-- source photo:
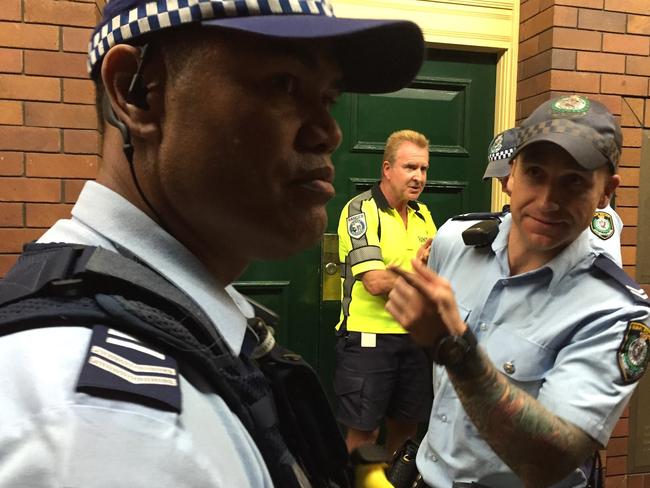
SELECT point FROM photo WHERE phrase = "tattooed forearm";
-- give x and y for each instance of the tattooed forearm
(537, 445)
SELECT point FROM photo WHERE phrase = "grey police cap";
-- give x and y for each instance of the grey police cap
(500, 152)
(582, 127)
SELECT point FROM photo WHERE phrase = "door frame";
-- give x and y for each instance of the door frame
(468, 25)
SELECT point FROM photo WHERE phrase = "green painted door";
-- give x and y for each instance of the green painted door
(452, 103)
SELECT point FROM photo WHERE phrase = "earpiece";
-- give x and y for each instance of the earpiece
(127, 147)
(137, 93)
(112, 119)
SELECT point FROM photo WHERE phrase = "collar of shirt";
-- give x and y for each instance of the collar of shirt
(104, 218)
(576, 255)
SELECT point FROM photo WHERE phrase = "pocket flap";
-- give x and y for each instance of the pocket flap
(517, 357)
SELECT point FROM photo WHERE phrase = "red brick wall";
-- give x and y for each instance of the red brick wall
(49, 142)
(600, 48)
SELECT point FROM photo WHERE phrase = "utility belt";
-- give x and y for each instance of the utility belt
(274, 392)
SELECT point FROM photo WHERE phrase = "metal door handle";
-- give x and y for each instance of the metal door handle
(331, 268)
(331, 284)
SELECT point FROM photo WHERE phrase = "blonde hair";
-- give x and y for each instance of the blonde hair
(397, 138)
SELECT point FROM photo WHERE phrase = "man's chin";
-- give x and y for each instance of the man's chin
(299, 235)
(547, 243)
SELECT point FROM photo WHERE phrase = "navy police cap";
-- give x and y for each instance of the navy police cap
(582, 127)
(376, 56)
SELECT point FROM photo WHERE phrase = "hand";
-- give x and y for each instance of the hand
(422, 254)
(424, 304)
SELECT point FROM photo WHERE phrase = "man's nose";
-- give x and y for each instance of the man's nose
(550, 196)
(320, 134)
(419, 177)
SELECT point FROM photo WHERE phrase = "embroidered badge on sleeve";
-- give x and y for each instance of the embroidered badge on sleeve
(602, 225)
(633, 355)
(357, 225)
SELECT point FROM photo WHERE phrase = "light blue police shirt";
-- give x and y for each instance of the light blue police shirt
(53, 436)
(554, 332)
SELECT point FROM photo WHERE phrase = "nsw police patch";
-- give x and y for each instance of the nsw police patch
(357, 225)
(633, 355)
(602, 225)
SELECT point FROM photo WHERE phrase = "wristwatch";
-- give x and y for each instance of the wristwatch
(452, 350)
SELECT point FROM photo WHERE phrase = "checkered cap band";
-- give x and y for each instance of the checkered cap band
(606, 145)
(503, 154)
(161, 14)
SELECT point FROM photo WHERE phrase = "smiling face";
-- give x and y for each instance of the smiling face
(404, 178)
(243, 167)
(553, 198)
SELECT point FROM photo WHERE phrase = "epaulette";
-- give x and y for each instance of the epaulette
(611, 269)
(117, 365)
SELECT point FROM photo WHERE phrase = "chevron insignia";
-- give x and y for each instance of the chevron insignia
(639, 292)
(119, 366)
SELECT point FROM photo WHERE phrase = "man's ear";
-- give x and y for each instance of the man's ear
(385, 166)
(119, 67)
(611, 184)
(504, 185)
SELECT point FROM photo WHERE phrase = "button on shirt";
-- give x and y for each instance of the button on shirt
(53, 436)
(554, 332)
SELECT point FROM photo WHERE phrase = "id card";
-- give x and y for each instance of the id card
(368, 340)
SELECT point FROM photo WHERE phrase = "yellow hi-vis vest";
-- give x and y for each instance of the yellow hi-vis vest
(372, 236)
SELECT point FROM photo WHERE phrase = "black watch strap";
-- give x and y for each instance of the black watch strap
(452, 350)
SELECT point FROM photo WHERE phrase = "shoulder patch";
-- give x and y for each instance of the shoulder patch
(610, 268)
(633, 354)
(119, 366)
(357, 225)
(602, 225)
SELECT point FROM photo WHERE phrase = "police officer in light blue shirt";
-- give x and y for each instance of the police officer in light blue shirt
(216, 151)
(539, 339)
(606, 225)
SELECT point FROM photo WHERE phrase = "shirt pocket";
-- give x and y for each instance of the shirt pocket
(522, 361)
